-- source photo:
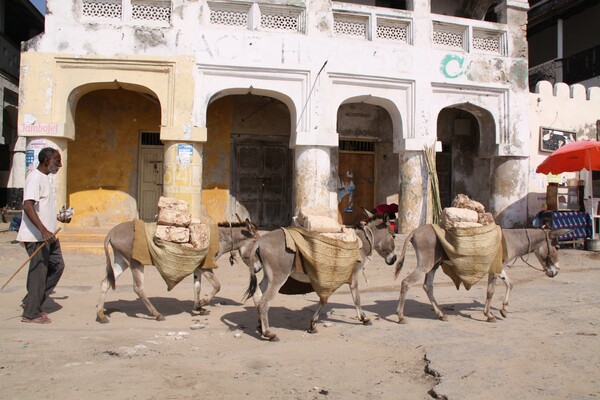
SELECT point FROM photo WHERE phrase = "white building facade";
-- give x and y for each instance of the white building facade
(266, 109)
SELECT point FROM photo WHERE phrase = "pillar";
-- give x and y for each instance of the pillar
(508, 197)
(412, 205)
(311, 181)
(183, 173)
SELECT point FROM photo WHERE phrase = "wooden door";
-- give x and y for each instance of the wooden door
(357, 186)
(261, 182)
(150, 182)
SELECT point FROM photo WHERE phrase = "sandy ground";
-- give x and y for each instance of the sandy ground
(547, 348)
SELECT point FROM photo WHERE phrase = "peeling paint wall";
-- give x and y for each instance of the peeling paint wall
(216, 160)
(188, 61)
(102, 177)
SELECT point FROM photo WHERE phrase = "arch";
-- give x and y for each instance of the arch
(286, 100)
(77, 93)
(396, 96)
(214, 83)
(247, 161)
(466, 133)
(108, 179)
(365, 165)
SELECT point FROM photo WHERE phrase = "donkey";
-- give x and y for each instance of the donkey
(232, 236)
(270, 253)
(430, 256)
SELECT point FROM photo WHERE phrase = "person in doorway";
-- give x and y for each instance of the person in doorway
(37, 227)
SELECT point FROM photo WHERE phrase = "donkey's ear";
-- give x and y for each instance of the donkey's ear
(367, 213)
(250, 226)
(386, 218)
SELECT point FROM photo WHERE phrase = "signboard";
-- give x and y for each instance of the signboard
(553, 139)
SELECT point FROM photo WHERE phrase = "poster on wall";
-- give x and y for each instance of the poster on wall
(553, 139)
(184, 154)
(32, 152)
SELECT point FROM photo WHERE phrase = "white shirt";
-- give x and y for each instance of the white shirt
(38, 188)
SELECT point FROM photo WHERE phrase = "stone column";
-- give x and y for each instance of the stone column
(508, 197)
(183, 173)
(35, 144)
(311, 180)
(412, 202)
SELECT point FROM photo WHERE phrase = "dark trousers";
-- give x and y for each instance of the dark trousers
(45, 270)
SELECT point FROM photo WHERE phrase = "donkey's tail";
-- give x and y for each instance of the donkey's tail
(110, 273)
(400, 262)
(255, 265)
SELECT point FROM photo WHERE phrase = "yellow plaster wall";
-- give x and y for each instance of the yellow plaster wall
(216, 160)
(103, 160)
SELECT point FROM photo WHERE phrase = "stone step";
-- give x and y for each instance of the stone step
(82, 248)
(83, 240)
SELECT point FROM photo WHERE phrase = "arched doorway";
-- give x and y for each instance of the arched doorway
(463, 166)
(367, 168)
(247, 163)
(115, 162)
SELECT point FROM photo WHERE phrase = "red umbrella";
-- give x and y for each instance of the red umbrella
(573, 157)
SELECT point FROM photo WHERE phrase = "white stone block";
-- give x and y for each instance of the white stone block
(171, 203)
(174, 218)
(451, 215)
(199, 235)
(172, 234)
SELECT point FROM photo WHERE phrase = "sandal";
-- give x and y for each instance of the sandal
(42, 319)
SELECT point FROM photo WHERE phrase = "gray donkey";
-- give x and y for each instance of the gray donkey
(271, 255)
(430, 255)
(232, 236)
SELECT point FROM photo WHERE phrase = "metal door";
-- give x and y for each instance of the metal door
(150, 181)
(261, 182)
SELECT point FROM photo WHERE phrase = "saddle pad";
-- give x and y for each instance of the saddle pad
(173, 261)
(140, 252)
(473, 252)
(328, 262)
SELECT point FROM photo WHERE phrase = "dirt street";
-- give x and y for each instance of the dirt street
(547, 348)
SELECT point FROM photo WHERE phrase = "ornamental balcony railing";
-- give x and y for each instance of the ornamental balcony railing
(350, 21)
(142, 12)
(452, 33)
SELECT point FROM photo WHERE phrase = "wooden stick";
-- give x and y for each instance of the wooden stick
(26, 261)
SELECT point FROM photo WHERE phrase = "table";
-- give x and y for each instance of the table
(579, 221)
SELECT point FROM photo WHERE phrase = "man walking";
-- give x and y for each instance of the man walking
(37, 227)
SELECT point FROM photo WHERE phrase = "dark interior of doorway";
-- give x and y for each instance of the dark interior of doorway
(443, 163)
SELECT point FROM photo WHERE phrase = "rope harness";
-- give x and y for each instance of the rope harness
(370, 236)
(529, 250)
(231, 252)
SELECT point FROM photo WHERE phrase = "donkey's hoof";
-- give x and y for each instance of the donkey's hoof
(402, 320)
(271, 336)
(491, 318)
(160, 317)
(504, 313)
(102, 319)
(312, 330)
(443, 318)
(367, 321)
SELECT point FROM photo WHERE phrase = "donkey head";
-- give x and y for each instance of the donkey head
(547, 251)
(383, 235)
